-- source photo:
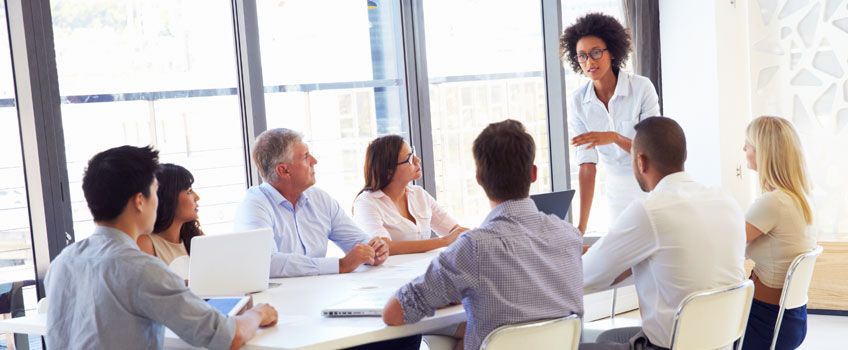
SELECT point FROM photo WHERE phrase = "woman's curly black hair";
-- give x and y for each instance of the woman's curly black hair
(605, 27)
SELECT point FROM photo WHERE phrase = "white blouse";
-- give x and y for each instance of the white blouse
(377, 215)
(634, 99)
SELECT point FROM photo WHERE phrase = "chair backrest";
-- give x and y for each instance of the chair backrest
(180, 266)
(795, 286)
(798, 278)
(558, 333)
(42, 306)
(713, 318)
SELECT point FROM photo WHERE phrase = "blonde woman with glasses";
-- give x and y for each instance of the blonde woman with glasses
(778, 227)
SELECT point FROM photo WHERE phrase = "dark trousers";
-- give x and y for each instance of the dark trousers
(408, 343)
(761, 322)
(627, 338)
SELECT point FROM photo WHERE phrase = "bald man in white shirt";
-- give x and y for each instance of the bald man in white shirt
(683, 238)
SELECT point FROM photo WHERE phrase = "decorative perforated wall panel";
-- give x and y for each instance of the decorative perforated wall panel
(799, 71)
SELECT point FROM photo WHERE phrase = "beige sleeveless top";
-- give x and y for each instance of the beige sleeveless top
(785, 236)
(165, 250)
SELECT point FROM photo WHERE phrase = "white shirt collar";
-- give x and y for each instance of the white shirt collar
(381, 194)
(672, 180)
(622, 88)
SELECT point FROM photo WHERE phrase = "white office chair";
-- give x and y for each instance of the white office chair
(713, 318)
(559, 333)
(795, 286)
(180, 266)
(42, 306)
(438, 342)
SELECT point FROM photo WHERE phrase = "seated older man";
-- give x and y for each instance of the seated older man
(302, 216)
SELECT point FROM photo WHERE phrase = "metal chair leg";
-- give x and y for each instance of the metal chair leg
(612, 310)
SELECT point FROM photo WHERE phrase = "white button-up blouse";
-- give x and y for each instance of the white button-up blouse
(377, 215)
(634, 99)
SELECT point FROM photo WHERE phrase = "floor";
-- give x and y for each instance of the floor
(826, 332)
(823, 332)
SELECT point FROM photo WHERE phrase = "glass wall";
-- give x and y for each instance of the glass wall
(155, 72)
(163, 73)
(334, 71)
(17, 269)
(485, 63)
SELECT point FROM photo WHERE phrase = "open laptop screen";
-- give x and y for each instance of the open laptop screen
(556, 203)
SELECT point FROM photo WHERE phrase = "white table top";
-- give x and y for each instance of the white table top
(35, 324)
(299, 302)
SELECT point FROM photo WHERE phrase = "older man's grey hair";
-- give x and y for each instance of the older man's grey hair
(272, 147)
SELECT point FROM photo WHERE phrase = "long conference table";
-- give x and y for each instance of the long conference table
(299, 302)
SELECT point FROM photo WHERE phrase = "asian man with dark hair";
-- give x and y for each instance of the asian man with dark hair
(105, 293)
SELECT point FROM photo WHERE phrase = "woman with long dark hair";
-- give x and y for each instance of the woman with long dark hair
(176, 217)
(389, 206)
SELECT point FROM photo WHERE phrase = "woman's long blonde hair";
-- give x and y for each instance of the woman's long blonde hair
(780, 160)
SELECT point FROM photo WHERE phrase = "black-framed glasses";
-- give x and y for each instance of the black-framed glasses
(408, 159)
(596, 54)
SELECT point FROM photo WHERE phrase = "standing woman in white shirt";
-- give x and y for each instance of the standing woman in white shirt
(389, 206)
(778, 227)
(602, 113)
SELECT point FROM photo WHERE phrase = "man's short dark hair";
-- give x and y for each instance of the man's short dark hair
(504, 154)
(604, 27)
(662, 140)
(113, 176)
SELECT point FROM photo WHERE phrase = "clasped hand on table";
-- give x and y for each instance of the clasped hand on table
(374, 253)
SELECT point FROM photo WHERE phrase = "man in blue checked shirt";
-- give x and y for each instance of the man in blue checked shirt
(519, 265)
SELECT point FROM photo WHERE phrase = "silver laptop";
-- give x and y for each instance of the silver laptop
(361, 304)
(230, 264)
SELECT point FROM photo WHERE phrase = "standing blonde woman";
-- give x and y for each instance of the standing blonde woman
(778, 227)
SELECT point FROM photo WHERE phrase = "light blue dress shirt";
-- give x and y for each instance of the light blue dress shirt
(520, 265)
(105, 293)
(301, 234)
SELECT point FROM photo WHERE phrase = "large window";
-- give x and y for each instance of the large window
(166, 73)
(154, 72)
(333, 70)
(16, 259)
(485, 62)
(599, 219)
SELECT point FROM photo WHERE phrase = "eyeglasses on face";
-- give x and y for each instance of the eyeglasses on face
(596, 54)
(409, 158)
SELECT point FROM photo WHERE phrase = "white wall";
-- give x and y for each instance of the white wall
(706, 87)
